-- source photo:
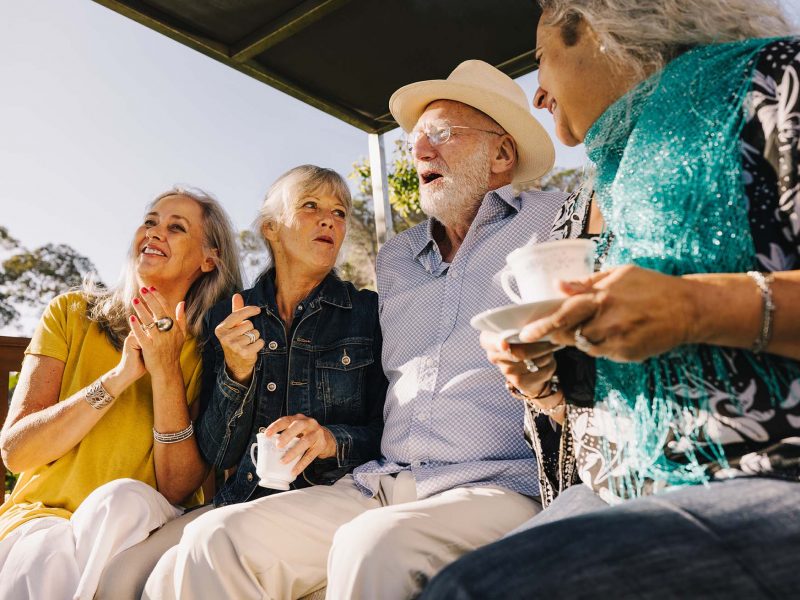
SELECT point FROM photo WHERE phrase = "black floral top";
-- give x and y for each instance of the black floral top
(761, 437)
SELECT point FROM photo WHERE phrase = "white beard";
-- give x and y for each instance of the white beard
(459, 192)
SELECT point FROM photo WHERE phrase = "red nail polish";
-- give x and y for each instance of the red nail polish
(136, 301)
(144, 290)
(152, 289)
(133, 319)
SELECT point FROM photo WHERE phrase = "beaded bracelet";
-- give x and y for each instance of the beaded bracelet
(552, 389)
(764, 283)
(173, 438)
(97, 396)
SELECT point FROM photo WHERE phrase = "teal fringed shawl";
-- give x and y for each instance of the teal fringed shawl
(669, 185)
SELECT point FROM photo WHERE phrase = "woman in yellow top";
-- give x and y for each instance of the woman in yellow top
(107, 374)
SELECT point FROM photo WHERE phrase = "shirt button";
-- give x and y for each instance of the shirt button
(345, 360)
(273, 345)
(249, 476)
(300, 308)
(271, 386)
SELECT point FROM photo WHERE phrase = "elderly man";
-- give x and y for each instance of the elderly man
(455, 472)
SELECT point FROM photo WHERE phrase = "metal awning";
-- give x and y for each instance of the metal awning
(346, 57)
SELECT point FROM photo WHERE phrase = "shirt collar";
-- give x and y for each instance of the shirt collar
(496, 203)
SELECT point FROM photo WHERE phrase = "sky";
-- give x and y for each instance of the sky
(98, 115)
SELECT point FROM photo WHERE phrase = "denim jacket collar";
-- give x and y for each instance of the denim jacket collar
(331, 291)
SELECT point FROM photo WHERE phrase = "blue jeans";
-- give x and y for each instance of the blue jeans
(732, 539)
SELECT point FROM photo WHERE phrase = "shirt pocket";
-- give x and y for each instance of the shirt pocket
(340, 377)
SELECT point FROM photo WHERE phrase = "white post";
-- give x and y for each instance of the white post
(380, 189)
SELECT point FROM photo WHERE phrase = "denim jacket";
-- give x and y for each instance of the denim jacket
(329, 369)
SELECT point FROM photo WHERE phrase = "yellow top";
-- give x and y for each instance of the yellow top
(119, 445)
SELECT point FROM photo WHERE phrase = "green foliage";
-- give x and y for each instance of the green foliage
(34, 277)
(361, 248)
(562, 180)
(403, 187)
(11, 480)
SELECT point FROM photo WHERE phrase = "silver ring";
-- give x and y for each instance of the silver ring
(531, 366)
(250, 336)
(164, 324)
(582, 343)
(149, 326)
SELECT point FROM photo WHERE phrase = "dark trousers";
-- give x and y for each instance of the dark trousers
(732, 539)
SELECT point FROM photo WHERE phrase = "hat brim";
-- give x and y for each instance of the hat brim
(535, 151)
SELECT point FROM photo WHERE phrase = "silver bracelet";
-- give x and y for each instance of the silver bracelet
(764, 283)
(173, 438)
(97, 396)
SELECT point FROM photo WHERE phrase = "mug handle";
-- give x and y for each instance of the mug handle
(253, 449)
(505, 282)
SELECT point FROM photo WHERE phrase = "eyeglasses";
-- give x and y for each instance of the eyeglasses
(439, 134)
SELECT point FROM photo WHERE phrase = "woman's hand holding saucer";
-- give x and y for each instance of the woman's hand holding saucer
(240, 340)
(528, 368)
(627, 314)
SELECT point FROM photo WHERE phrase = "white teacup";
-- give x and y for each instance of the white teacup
(537, 268)
(272, 472)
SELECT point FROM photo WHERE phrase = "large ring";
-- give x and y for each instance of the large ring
(250, 336)
(164, 324)
(531, 366)
(582, 343)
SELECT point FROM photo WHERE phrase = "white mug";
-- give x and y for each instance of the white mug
(271, 471)
(537, 268)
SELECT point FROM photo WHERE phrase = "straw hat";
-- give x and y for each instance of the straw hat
(492, 92)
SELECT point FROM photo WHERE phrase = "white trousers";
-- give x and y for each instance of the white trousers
(285, 546)
(51, 558)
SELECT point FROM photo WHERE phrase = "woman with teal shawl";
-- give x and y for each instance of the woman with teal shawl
(689, 452)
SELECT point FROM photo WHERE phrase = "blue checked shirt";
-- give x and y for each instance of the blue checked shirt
(449, 418)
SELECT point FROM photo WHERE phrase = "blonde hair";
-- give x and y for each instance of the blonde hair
(645, 35)
(110, 308)
(299, 182)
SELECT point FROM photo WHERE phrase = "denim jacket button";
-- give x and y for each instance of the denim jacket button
(271, 386)
(250, 476)
(345, 360)
(273, 345)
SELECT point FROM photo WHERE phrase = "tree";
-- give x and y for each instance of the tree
(32, 278)
(403, 187)
(561, 180)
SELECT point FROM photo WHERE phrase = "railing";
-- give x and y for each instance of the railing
(12, 350)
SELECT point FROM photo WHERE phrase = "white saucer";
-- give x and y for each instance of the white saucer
(510, 319)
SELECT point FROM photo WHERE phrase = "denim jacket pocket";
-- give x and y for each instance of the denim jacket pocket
(340, 375)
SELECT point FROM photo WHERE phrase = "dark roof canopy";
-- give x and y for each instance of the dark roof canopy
(346, 57)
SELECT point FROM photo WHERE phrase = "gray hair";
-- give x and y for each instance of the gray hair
(299, 182)
(646, 34)
(110, 308)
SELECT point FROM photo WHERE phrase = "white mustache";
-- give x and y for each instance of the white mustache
(432, 166)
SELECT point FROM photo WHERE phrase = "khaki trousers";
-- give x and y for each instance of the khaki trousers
(281, 547)
(125, 575)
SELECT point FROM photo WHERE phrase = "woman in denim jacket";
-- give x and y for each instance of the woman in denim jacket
(299, 352)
